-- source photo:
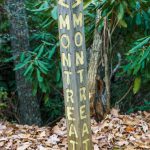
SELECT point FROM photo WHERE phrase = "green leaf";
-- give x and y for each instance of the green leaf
(40, 51)
(19, 66)
(51, 53)
(46, 23)
(47, 43)
(136, 85)
(46, 98)
(138, 19)
(146, 53)
(139, 45)
(22, 57)
(29, 69)
(123, 23)
(136, 69)
(43, 7)
(10, 59)
(43, 87)
(35, 87)
(42, 67)
(120, 11)
(58, 75)
(54, 13)
(86, 3)
(40, 78)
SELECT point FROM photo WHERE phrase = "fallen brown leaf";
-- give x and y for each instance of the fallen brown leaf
(115, 132)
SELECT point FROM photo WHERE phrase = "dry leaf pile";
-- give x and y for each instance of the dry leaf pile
(115, 132)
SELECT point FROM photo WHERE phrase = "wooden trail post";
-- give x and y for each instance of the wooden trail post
(74, 71)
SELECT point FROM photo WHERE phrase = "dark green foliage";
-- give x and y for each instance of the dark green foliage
(42, 63)
(119, 11)
(129, 20)
(43, 60)
(53, 108)
(144, 107)
(139, 57)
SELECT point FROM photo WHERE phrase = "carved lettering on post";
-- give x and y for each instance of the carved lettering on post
(74, 71)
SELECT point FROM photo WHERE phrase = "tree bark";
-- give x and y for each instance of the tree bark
(106, 63)
(98, 72)
(94, 81)
(29, 109)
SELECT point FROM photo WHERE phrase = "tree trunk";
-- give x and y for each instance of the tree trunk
(98, 72)
(94, 82)
(29, 109)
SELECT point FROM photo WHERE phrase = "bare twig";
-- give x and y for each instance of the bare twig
(107, 77)
(117, 66)
(123, 97)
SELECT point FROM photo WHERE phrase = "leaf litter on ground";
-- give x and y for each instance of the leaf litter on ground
(115, 132)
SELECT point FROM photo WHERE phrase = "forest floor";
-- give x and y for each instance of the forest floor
(115, 132)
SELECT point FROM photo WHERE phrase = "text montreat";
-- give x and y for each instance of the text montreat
(73, 56)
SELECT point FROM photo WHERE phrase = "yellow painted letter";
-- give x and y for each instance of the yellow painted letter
(80, 75)
(79, 58)
(86, 144)
(82, 94)
(85, 129)
(67, 73)
(77, 20)
(82, 112)
(69, 95)
(78, 39)
(65, 41)
(64, 22)
(61, 2)
(73, 144)
(78, 2)
(69, 113)
(72, 131)
(66, 60)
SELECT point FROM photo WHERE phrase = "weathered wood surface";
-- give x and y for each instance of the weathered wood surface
(74, 71)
